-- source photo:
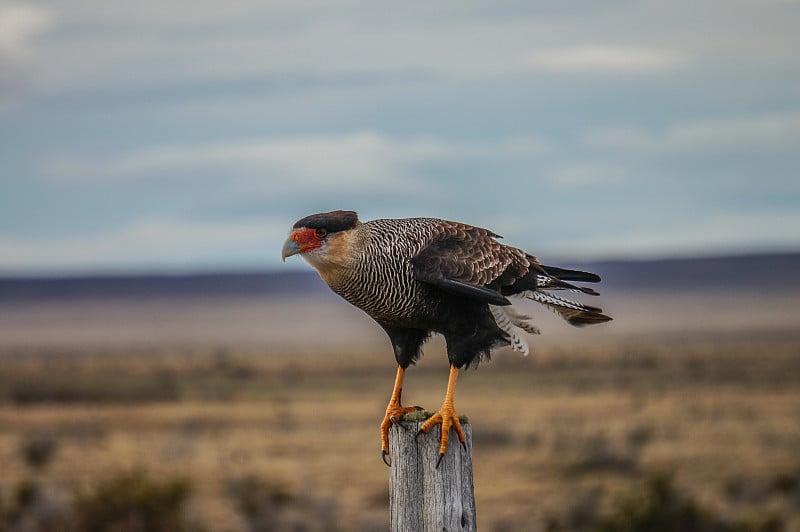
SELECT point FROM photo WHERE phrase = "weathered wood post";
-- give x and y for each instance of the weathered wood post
(422, 497)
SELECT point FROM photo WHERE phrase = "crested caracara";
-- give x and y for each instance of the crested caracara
(419, 276)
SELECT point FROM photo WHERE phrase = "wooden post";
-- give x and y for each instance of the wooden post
(422, 497)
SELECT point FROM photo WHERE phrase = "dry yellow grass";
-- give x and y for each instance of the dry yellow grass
(719, 412)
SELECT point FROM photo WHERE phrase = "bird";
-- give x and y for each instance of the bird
(421, 276)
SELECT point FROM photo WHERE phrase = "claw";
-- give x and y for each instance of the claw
(446, 417)
(394, 413)
(386, 459)
(439, 461)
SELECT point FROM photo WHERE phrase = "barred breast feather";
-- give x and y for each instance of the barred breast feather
(381, 281)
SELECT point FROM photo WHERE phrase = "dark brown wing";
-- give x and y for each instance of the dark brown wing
(468, 261)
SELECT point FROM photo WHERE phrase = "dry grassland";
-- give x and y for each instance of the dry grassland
(254, 414)
(560, 437)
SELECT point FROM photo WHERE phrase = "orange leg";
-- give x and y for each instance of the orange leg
(394, 413)
(446, 416)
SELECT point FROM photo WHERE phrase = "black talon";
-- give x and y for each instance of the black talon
(384, 456)
(417, 435)
(439, 461)
(464, 445)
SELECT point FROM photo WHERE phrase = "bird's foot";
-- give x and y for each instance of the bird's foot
(446, 417)
(394, 416)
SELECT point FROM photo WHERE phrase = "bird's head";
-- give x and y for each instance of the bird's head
(320, 238)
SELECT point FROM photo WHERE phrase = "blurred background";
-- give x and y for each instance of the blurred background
(161, 369)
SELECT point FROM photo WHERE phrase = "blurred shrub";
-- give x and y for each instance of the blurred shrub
(253, 496)
(25, 494)
(581, 512)
(96, 389)
(657, 508)
(597, 454)
(744, 490)
(38, 450)
(787, 484)
(492, 437)
(660, 507)
(639, 436)
(134, 502)
(32, 510)
(269, 507)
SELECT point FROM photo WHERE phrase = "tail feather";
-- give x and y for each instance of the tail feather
(541, 277)
(533, 284)
(507, 323)
(521, 320)
(509, 320)
(546, 282)
(576, 314)
(571, 275)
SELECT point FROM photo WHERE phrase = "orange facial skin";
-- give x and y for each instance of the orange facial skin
(306, 238)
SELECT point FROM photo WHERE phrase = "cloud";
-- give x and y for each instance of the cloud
(160, 242)
(355, 159)
(152, 45)
(580, 174)
(701, 234)
(146, 243)
(161, 44)
(151, 115)
(19, 25)
(158, 44)
(768, 130)
(598, 58)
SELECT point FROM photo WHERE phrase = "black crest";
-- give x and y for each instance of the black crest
(330, 221)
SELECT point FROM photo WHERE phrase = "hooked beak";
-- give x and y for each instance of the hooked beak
(290, 247)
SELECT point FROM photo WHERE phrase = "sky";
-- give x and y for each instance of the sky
(191, 135)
